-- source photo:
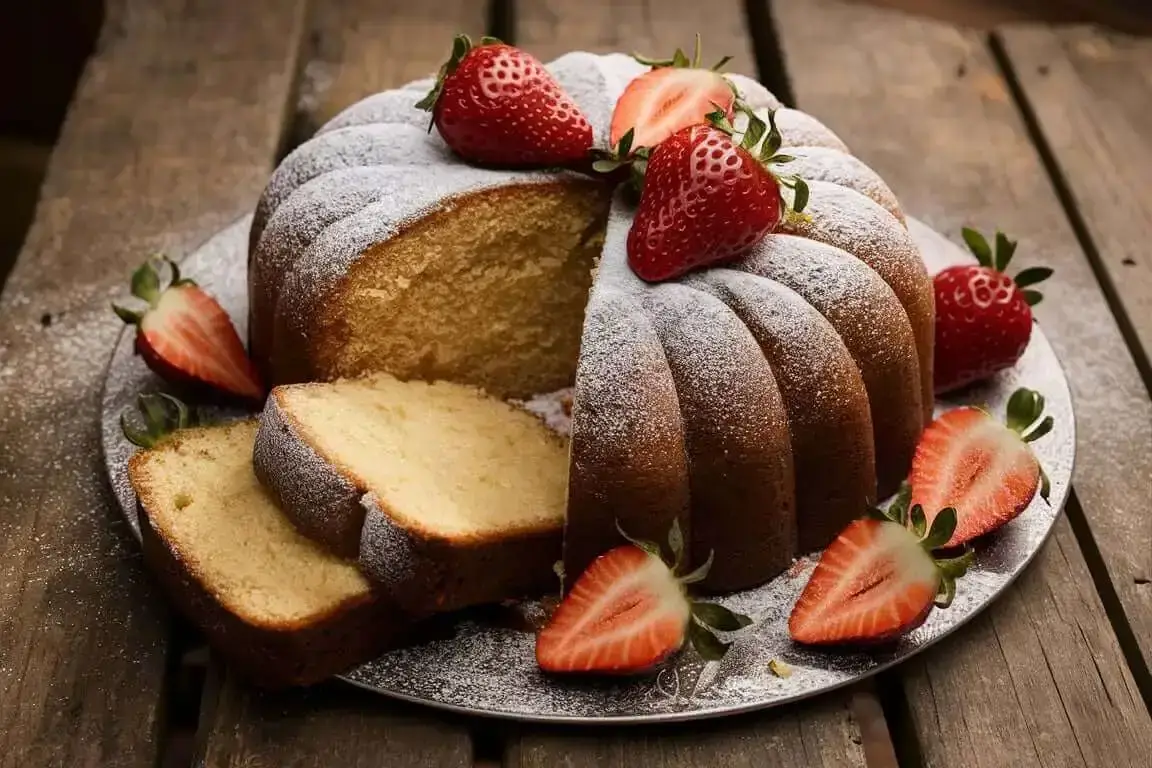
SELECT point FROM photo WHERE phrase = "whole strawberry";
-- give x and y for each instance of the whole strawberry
(706, 199)
(983, 316)
(497, 105)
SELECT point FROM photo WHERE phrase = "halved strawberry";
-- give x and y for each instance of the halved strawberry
(877, 581)
(676, 93)
(186, 337)
(629, 611)
(971, 461)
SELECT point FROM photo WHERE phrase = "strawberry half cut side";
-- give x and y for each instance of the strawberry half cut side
(629, 612)
(985, 469)
(877, 581)
(674, 94)
(186, 337)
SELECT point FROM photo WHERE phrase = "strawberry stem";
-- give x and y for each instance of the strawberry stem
(680, 59)
(161, 414)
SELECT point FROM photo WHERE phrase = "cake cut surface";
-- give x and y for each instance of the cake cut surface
(441, 457)
(202, 498)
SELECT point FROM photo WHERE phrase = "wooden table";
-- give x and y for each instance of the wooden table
(179, 118)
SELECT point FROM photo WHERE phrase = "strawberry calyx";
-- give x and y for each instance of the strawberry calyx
(161, 414)
(932, 537)
(766, 136)
(145, 285)
(680, 60)
(1025, 409)
(461, 46)
(997, 259)
(705, 618)
(623, 158)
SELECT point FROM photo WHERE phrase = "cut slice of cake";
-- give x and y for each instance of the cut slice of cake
(448, 497)
(280, 608)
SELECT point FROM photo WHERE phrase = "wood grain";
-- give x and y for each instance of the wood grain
(170, 135)
(549, 28)
(819, 733)
(1091, 95)
(359, 47)
(328, 725)
(924, 104)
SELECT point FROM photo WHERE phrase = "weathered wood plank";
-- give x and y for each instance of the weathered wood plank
(359, 47)
(822, 734)
(1091, 95)
(328, 725)
(170, 134)
(549, 28)
(924, 104)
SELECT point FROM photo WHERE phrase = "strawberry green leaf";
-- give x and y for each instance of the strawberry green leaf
(680, 59)
(710, 647)
(919, 521)
(897, 511)
(943, 526)
(161, 415)
(489, 40)
(955, 567)
(800, 199)
(780, 159)
(1041, 429)
(755, 131)
(700, 573)
(146, 283)
(716, 616)
(946, 593)
(1033, 275)
(127, 315)
(1005, 248)
(1045, 485)
(720, 64)
(624, 146)
(650, 547)
(719, 119)
(1032, 297)
(978, 245)
(696, 52)
(1024, 407)
(606, 166)
(774, 140)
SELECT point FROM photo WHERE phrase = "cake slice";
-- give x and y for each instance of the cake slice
(448, 497)
(279, 608)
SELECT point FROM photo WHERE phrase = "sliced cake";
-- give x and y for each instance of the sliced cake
(448, 497)
(280, 608)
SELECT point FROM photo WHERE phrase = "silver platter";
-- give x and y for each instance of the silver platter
(481, 665)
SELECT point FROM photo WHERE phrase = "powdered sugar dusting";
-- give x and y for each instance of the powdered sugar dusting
(832, 165)
(395, 106)
(850, 221)
(364, 145)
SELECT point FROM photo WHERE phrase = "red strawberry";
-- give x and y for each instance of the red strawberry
(675, 94)
(968, 460)
(498, 105)
(628, 612)
(706, 199)
(983, 316)
(185, 336)
(877, 581)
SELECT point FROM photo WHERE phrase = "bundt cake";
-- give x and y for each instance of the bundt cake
(761, 404)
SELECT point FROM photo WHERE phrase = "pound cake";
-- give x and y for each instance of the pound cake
(761, 404)
(281, 608)
(448, 497)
